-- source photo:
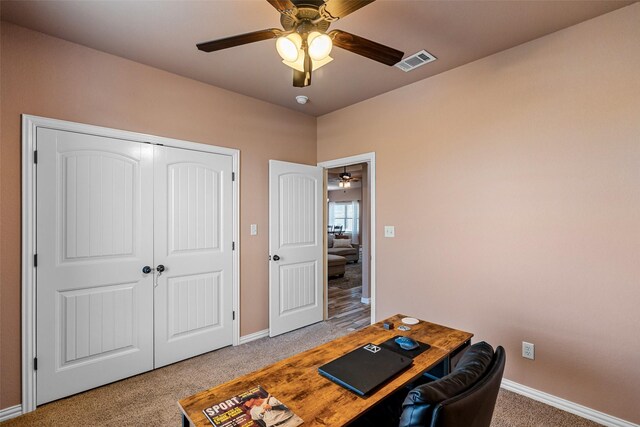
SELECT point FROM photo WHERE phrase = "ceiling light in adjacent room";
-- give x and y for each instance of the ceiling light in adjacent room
(345, 179)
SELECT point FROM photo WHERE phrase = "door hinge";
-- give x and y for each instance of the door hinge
(35, 363)
(35, 156)
(233, 246)
(233, 176)
(35, 260)
(234, 315)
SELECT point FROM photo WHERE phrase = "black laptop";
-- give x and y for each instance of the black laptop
(365, 368)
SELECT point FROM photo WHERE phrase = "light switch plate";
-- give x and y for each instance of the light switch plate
(254, 229)
(389, 231)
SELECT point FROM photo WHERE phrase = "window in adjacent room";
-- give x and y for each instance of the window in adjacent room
(345, 214)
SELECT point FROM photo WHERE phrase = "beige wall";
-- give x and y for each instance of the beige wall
(524, 216)
(49, 77)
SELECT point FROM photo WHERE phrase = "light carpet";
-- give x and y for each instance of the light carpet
(150, 399)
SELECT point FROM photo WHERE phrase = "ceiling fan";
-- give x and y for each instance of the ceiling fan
(304, 43)
(343, 178)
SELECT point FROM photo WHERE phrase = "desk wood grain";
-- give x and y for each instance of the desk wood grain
(295, 381)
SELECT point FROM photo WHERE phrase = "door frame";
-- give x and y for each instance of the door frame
(28, 325)
(370, 159)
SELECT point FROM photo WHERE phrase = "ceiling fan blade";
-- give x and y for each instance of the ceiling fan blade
(333, 10)
(285, 7)
(367, 48)
(238, 40)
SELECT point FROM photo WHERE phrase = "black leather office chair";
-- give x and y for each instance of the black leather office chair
(464, 398)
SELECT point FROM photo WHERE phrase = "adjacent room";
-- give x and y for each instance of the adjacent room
(319, 213)
(348, 214)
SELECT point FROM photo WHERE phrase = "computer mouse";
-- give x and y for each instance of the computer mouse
(406, 343)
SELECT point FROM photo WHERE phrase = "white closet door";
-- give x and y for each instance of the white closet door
(295, 246)
(94, 222)
(193, 242)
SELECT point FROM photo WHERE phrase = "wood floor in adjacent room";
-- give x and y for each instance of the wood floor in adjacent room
(346, 310)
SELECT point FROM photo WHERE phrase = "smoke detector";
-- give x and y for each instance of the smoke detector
(301, 99)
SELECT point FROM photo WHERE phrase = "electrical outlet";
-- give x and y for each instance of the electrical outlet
(528, 350)
(254, 229)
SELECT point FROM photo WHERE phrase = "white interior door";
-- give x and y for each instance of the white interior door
(296, 264)
(94, 222)
(193, 242)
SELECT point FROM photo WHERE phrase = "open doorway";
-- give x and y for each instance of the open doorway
(349, 301)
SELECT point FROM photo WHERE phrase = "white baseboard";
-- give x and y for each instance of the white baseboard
(565, 405)
(254, 336)
(365, 300)
(12, 412)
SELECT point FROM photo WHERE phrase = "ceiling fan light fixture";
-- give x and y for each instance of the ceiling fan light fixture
(298, 64)
(289, 47)
(319, 45)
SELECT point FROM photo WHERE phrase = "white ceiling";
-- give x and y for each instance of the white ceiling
(163, 34)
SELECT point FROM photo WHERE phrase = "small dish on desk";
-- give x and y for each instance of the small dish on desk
(410, 321)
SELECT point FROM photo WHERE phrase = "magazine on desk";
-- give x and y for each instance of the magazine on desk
(255, 407)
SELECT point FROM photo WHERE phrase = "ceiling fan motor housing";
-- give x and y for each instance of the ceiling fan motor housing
(306, 17)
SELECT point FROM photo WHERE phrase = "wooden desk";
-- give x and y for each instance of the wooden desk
(319, 402)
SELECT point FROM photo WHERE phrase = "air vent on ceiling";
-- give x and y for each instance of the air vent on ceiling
(416, 60)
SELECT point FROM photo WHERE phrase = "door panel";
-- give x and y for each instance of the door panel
(193, 206)
(193, 223)
(295, 236)
(97, 321)
(195, 303)
(98, 208)
(297, 287)
(95, 306)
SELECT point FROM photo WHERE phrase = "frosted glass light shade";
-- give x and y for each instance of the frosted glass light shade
(289, 47)
(298, 64)
(319, 45)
